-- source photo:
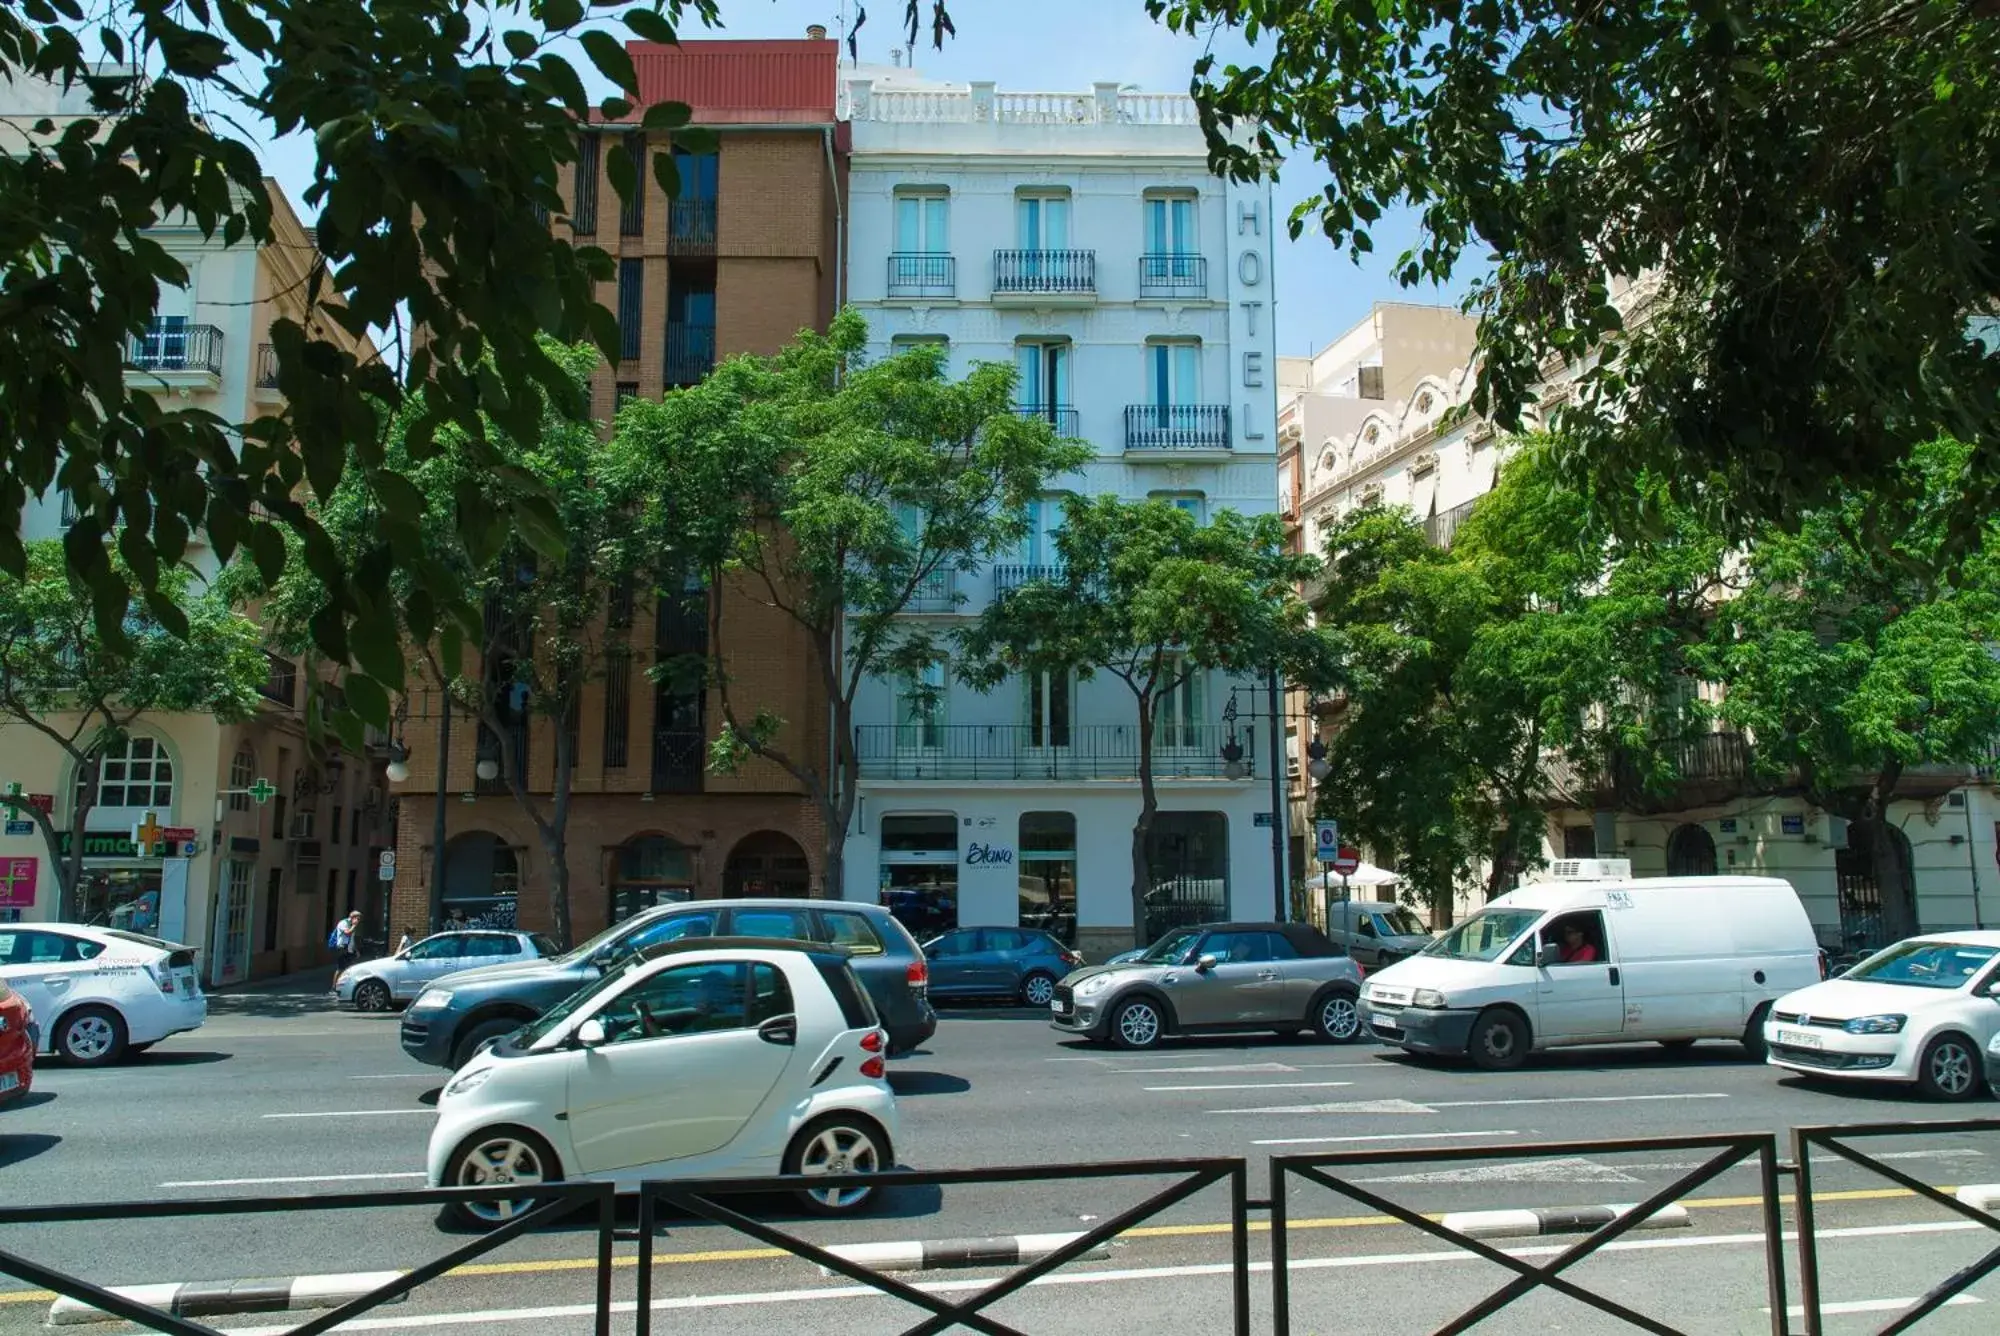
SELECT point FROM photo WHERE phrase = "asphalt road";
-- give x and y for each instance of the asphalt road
(279, 1095)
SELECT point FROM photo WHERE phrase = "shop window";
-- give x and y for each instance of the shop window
(1187, 860)
(482, 879)
(1048, 873)
(919, 872)
(650, 870)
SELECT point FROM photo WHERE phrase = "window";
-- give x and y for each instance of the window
(1173, 373)
(274, 887)
(791, 924)
(920, 710)
(353, 877)
(699, 174)
(491, 944)
(45, 948)
(333, 826)
(922, 223)
(1247, 948)
(1042, 221)
(1048, 874)
(135, 773)
(953, 944)
(673, 928)
(1194, 503)
(1049, 700)
(851, 930)
(624, 390)
(631, 306)
(632, 217)
(617, 702)
(1578, 938)
(689, 999)
(1170, 231)
(1045, 522)
(1187, 871)
(1177, 711)
(902, 343)
(242, 773)
(770, 995)
(583, 212)
(444, 946)
(354, 828)
(1043, 375)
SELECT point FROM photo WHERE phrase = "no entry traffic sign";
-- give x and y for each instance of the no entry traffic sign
(1346, 860)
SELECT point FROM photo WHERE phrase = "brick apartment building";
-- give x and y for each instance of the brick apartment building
(746, 256)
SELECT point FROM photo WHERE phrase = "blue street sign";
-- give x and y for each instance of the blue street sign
(1326, 840)
(20, 827)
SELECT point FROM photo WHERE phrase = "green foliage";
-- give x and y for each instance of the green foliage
(1488, 680)
(1814, 185)
(60, 678)
(440, 137)
(1852, 663)
(1150, 596)
(833, 490)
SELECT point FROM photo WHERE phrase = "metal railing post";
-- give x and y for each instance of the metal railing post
(607, 1231)
(642, 1315)
(1239, 1243)
(1802, 1213)
(1768, 1174)
(1281, 1254)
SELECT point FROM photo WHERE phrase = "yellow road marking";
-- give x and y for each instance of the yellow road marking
(543, 1266)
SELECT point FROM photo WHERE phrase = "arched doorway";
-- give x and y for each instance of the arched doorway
(482, 881)
(767, 863)
(1690, 852)
(649, 870)
(1861, 926)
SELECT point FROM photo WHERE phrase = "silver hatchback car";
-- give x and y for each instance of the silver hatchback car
(378, 985)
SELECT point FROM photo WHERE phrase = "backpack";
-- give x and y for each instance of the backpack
(333, 939)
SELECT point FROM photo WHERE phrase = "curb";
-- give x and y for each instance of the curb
(1556, 1220)
(1981, 1196)
(1006, 1250)
(222, 1298)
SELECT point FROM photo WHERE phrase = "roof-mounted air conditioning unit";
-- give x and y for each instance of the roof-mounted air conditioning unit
(1590, 869)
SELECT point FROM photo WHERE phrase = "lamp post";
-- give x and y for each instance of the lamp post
(1234, 767)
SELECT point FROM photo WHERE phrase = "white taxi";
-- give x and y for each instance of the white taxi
(1918, 1012)
(99, 994)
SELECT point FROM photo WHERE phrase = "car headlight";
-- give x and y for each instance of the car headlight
(432, 999)
(469, 1082)
(1875, 1025)
(1095, 984)
(1428, 999)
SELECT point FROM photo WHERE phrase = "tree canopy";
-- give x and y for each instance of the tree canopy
(836, 492)
(1148, 595)
(63, 680)
(440, 131)
(1809, 191)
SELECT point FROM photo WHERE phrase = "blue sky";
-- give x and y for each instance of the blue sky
(1069, 44)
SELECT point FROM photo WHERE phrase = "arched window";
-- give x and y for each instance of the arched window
(1690, 852)
(242, 772)
(650, 870)
(135, 773)
(770, 863)
(482, 881)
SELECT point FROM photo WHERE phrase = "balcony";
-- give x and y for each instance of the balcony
(1173, 277)
(922, 274)
(919, 751)
(691, 227)
(1177, 429)
(178, 353)
(1045, 277)
(690, 352)
(1059, 416)
(281, 679)
(1442, 527)
(1706, 769)
(680, 759)
(937, 592)
(1006, 579)
(266, 383)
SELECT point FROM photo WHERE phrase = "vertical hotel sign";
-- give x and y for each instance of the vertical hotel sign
(1252, 338)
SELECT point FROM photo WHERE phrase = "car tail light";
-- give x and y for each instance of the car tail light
(1073, 959)
(872, 1041)
(872, 1069)
(161, 977)
(918, 974)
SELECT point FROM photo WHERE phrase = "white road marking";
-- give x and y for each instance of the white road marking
(1875, 1306)
(1385, 1136)
(430, 1075)
(1265, 1085)
(1410, 1106)
(1567, 1169)
(1237, 1068)
(695, 1301)
(358, 1113)
(298, 1178)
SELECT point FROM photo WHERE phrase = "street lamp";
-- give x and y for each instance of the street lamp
(1316, 763)
(1232, 758)
(398, 769)
(488, 769)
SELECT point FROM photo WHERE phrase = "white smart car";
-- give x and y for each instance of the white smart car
(707, 1058)
(1920, 1011)
(101, 993)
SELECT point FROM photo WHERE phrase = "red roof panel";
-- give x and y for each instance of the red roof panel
(776, 81)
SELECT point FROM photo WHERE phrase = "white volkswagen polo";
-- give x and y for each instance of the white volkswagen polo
(101, 993)
(1920, 1011)
(707, 1058)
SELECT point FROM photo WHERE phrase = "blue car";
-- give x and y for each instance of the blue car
(1016, 963)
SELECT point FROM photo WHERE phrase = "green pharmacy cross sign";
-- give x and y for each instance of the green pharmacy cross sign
(261, 792)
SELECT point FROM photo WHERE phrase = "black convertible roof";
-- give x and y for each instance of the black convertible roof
(1304, 937)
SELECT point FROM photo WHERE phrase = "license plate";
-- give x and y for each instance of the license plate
(1382, 1023)
(1059, 1007)
(8, 1081)
(1800, 1039)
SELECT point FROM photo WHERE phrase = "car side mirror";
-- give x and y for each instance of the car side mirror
(1204, 965)
(1549, 955)
(590, 1034)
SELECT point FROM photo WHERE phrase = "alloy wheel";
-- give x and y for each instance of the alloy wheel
(1951, 1069)
(1138, 1025)
(371, 995)
(496, 1163)
(1339, 1017)
(88, 1038)
(840, 1149)
(1039, 991)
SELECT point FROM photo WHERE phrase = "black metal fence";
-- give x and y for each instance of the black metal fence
(1045, 272)
(1177, 427)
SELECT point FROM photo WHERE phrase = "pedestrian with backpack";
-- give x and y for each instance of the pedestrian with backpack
(342, 939)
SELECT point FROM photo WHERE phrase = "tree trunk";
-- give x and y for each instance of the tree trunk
(555, 833)
(1892, 880)
(837, 795)
(1142, 829)
(437, 817)
(69, 873)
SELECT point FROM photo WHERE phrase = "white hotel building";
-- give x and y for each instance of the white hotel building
(1081, 237)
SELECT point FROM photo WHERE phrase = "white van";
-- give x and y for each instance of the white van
(1593, 956)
